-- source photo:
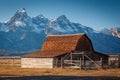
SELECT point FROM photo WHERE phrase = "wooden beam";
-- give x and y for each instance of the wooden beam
(101, 61)
(56, 62)
(71, 58)
(83, 61)
(119, 61)
(78, 53)
(80, 64)
(67, 56)
(61, 62)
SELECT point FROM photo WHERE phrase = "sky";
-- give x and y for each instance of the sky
(97, 14)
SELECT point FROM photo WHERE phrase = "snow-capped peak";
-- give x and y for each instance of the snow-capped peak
(22, 10)
(40, 20)
(18, 20)
(40, 16)
(62, 17)
(20, 15)
(60, 20)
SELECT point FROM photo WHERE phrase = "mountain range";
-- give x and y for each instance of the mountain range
(22, 34)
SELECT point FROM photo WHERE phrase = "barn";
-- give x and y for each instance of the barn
(73, 51)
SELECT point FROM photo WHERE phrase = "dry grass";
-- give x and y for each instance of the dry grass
(12, 71)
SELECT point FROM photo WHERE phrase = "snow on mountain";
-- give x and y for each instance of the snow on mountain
(4, 27)
(23, 33)
(63, 25)
(40, 23)
(19, 23)
(112, 31)
(22, 10)
(23, 36)
(105, 31)
(40, 20)
(22, 22)
(115, 32)
(20, 33)
(20, 15)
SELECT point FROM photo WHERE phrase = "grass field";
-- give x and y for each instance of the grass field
(15, 72)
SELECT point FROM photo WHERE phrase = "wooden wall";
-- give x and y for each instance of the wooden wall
(84, 44)
(114, 61)
(37, 62)
(10, 61)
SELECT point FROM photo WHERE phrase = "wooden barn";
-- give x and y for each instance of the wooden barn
(74, 51)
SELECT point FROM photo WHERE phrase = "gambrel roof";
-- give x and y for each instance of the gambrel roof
(56, 45)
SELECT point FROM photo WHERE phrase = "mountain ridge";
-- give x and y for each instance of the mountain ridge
(24, 33)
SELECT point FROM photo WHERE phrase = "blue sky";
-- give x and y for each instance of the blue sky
(97, 14)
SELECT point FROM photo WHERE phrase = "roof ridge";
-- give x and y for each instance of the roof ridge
(68, 34)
